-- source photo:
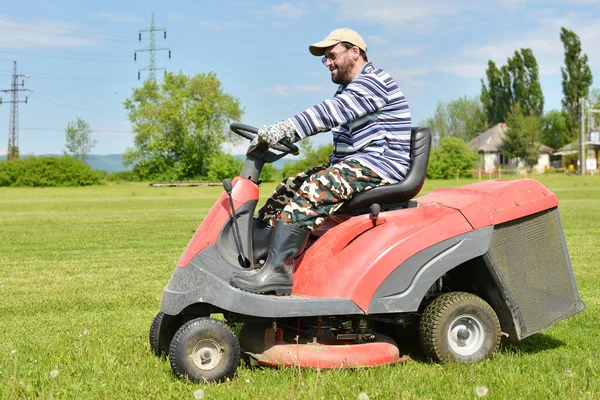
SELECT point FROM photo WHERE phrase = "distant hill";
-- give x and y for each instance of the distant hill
(114, 162)
(108, 162)
(277, 164)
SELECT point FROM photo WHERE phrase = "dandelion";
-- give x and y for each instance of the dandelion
(363, 396)
(53, 373)
(86, 332)
(481, 391)
(13, 352)
(199, 394)
(570, 374)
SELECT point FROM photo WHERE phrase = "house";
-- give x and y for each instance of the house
(570, 153)
(489, 146)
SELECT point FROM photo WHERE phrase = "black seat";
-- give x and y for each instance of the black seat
(397, 195)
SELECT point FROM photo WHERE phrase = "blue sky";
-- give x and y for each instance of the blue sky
(79, 55)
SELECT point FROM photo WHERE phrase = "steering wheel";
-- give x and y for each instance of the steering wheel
(250, 132)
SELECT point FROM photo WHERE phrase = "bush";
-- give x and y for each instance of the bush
(268, 173)
(222, 165)
(46, 171)
(453, 154)
(123, 176)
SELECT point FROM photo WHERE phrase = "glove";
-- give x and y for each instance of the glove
(273, 134)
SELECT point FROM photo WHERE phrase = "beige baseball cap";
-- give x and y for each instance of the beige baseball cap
(335, 37)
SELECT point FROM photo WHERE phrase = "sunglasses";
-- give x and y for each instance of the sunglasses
(332, 58)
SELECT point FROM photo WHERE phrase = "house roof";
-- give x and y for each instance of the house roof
(490, 141)
(573, 148)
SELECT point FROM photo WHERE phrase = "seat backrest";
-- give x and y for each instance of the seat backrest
(409, 187)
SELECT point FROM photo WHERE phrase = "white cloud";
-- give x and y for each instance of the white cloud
(543, 40)
(283, 10)
(584, 2)
(535, 28)
(395, 15)
(289, 10)
(3, 152)
(406, 73)
(377, 41)
(422, 17)
(41, 34)
(118, 17)
(288, 90)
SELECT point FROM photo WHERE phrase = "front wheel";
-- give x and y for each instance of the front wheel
(459, 327)
(204, 350)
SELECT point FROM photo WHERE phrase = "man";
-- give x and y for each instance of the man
(371, 126)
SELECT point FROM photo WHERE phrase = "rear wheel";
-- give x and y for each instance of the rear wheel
(162, 329)
(459, 327)
(204, 350)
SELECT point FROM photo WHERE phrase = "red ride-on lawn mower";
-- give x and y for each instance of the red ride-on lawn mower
(463, 265)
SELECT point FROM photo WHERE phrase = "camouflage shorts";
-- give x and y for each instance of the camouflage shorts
(305, 199)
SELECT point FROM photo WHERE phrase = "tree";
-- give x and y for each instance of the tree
(594, 103)
(453, 154)
(178, 125)
(554, 130)
(462, 118)
(79, 139)
(526, 88)
(576, 79)
(514, 83)
(522, 138)
(496, 97)
(310, 157)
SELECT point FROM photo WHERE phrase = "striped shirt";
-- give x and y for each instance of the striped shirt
(370, 122)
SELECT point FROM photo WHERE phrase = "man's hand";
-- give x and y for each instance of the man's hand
(273, 134)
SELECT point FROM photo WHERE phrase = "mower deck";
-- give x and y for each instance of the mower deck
(331, 353)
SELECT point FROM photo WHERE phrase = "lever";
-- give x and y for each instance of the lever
(228, 186)
(375, 209)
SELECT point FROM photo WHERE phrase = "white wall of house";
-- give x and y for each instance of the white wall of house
(543, 163)
(492, 160)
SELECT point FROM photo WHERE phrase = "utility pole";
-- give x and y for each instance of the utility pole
(152, 49)
(13, 127)
(594, 135)
(582, 136)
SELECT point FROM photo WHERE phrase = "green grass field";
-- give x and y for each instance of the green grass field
(81, 275)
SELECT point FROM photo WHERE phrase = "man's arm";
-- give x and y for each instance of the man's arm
(365, 95)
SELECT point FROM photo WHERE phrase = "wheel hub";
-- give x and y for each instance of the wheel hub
(466, 335)
(207, 354)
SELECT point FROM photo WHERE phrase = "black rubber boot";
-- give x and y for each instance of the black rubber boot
(261, 241)
(277, 275)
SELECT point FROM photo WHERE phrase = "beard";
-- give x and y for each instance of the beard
(342, 74)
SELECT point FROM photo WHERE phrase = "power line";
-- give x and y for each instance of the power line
(70, 106)
(25, 128)
(68, 58)
(66, 32)
(42, 75)
(243, 83)
(78, 92)
(16, 21)
(78, 102)
(87, 53)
